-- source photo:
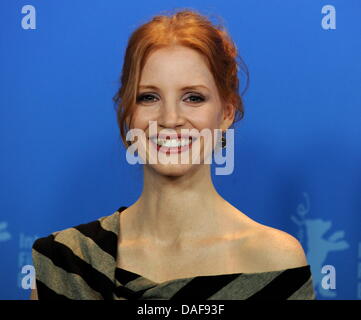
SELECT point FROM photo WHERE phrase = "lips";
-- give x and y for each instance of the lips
(172, 143)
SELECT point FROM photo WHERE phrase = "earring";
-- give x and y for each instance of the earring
(224, 142)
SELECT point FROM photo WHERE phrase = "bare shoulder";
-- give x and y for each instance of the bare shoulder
(271, 249)
(261, 248)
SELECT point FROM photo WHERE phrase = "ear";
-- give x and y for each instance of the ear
(228, 116)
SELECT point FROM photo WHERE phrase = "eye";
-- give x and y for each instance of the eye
(149, 97)
(198, 98)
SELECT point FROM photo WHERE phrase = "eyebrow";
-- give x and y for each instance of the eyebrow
(184, 88)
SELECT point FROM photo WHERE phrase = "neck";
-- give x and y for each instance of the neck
(172, 210)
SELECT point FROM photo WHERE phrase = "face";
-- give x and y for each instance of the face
(178, 92)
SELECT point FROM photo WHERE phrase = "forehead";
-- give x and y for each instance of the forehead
(176, 65)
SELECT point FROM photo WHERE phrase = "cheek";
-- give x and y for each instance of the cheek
(141, 119)
(208, 120)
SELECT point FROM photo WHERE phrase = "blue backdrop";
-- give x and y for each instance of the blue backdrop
(298, 149)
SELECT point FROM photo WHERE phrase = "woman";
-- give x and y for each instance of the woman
(180, 238)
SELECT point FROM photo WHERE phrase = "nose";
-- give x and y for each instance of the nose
(171, 116)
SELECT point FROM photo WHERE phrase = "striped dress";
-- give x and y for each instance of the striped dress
(80, 263)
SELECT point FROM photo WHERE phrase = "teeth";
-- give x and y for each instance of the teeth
(172, 143)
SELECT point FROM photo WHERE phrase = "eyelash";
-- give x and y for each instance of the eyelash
(141, 96)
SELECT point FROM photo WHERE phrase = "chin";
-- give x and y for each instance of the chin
(173, 170)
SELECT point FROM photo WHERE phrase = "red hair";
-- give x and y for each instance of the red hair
(186, 28)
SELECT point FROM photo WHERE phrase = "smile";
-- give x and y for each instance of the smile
(171, 143)
(174, 145)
